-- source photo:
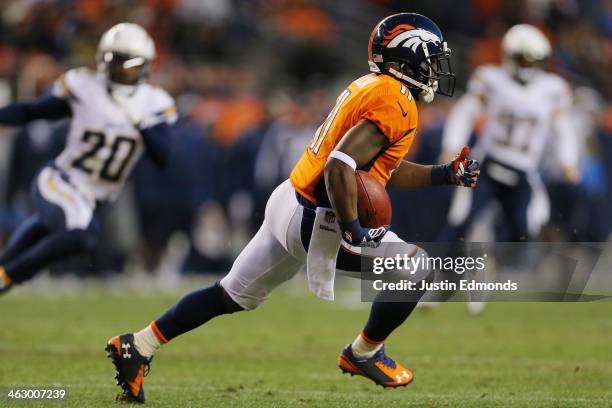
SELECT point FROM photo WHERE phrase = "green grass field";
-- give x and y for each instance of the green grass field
(284, 354)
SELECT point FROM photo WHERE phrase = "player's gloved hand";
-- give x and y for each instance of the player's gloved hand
(461, 171)
(465, 171)
(354, 234)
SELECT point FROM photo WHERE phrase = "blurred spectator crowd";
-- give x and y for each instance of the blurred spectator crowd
(252, 80)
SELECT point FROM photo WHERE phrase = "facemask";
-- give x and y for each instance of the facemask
(427, 95)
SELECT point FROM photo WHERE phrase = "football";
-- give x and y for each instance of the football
(373, 203)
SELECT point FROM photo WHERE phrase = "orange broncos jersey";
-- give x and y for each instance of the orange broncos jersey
(381, 99)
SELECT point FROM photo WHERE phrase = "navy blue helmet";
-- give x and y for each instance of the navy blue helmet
(411, 47)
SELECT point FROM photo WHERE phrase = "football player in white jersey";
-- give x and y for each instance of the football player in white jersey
(526, 112)
(115, 116)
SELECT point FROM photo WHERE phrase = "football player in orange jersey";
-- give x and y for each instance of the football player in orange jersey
(311, 219)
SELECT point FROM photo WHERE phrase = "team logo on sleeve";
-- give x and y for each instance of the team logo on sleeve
(348, 236)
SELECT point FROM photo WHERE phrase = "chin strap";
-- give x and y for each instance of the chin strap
(427, 93)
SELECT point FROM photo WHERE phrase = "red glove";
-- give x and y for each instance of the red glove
(465, 171)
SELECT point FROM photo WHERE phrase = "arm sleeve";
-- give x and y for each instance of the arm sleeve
(44, 107)
(157, 143)
(461, 118)
(568, 145)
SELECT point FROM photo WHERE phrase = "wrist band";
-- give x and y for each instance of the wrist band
(343, 157)
(441, 174)
(352, 232)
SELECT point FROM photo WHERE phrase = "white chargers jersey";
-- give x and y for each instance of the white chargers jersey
(522, 121)
(103, 144)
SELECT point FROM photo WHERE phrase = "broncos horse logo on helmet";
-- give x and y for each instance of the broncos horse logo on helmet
(411, 48)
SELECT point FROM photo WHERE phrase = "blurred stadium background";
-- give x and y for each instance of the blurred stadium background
(253, 79)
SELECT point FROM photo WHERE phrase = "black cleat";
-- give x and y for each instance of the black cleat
(131, 367)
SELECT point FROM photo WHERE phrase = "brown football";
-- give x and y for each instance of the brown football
(373, 203)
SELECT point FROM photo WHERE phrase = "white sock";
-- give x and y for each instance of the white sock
(364, 349)
(147, 342)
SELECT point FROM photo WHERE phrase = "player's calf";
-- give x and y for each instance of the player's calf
(53, 247)
(366, 355)
(132, 353)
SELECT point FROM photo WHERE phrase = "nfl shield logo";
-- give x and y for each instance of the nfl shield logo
(330, 217)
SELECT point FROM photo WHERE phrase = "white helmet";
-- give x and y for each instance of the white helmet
(124, 54)
(527, 41)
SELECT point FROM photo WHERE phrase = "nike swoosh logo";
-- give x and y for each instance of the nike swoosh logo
(404, 113)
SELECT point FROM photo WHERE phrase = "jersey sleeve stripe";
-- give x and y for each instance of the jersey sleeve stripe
(67, 88)
(331, 117)
(170, 111)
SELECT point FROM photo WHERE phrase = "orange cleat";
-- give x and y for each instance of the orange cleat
(131, 367)
(5, 281)
(380, 368)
